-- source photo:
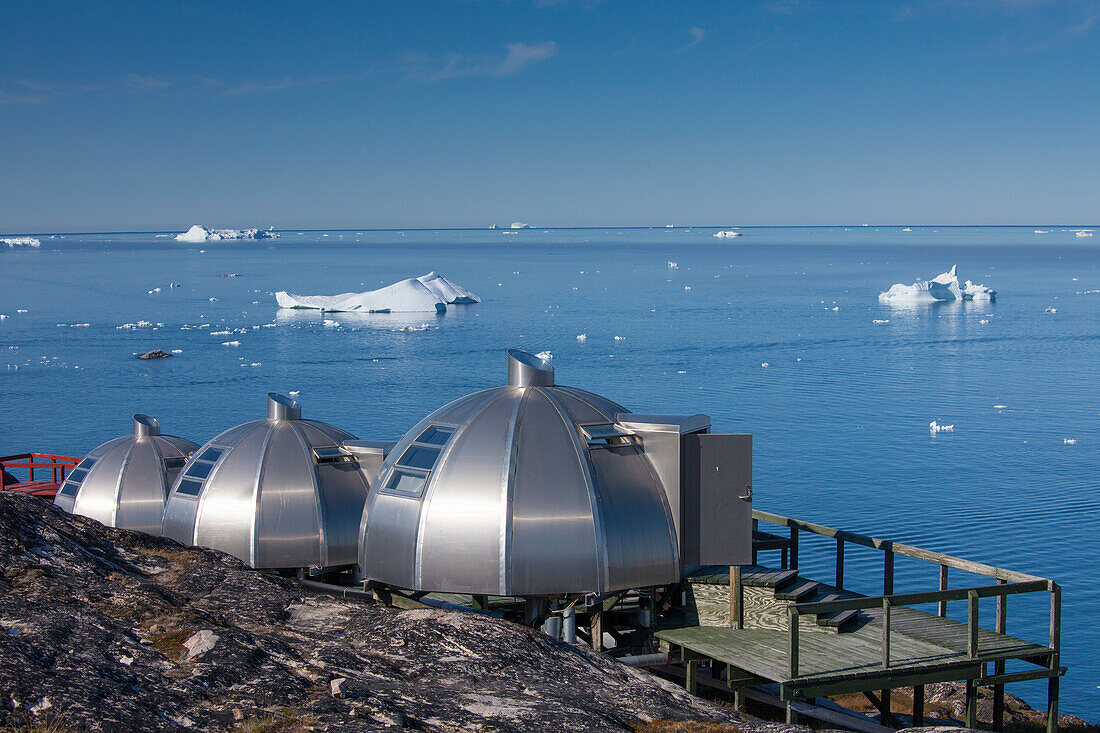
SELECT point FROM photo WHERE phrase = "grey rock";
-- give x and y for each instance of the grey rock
(76, 598)
(154, 354)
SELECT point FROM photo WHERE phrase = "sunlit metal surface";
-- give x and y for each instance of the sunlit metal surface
(277, 493)
(521, 490)
(125, 482)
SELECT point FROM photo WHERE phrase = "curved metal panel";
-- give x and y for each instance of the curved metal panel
(224, 520)
(289, 525)
(553, 534)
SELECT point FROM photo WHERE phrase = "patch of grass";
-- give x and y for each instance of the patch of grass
(283, 722)
(680, 726)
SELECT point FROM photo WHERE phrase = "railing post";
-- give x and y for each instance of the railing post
(755, 525)
(943, 586)
(888, 574)
(792, 642)
(794, 548)
(885, 632)
(1055, 645)
(972, 625)
(999, 667)
(839, 563)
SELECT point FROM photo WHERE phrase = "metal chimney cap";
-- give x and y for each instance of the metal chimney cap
(527, 370)
(145, 426)
(281, 407)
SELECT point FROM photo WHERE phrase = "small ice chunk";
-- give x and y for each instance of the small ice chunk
(231, 343)
(213, 300)
(294, 393)
(672, 265)
(1084, 233)
(21, 310)
(725, 234)
(177, 351)
(580, 336)
(620, 338)
(1051, 310)
(935, 427)
(765, 364)
(882, 320)
(687, 287)
(545, 355)
(1069, 441)
(1000, 407)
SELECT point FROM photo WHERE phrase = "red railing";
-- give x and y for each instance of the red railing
(29, 464)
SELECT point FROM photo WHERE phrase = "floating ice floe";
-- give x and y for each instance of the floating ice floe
(1042, 231)
(672, 265)
(431, 292)
(935, 427)
(519, 225)
(231, 343)
(882, 320)
(1069, 441)
(20, 310)
(545, 355)
(582, 337)
(200, 233)
(944, 287)
(727, 233)
(1000, 407)
(1051, 310)
(1084, 233)
(21, 241)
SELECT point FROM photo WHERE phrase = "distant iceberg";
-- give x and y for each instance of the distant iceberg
(942, 288)
(199, 233)
(428, 293)
(22, 242)
(1084, 233)
(519, 225)
(727, 233)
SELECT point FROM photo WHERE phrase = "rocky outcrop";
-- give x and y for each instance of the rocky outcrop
(155, 354)
(109, 630)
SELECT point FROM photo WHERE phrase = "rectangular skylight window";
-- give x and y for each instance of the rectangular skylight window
(436, 435)
(199, 470)
(175, 463)
(69, 488)
(189, 487)
(602, 435)
(331, 455)
(211, 454)
(418, 456)
(405, 483)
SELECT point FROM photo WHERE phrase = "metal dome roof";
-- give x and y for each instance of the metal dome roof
(276, 493)
(125, 482)
(521, 490)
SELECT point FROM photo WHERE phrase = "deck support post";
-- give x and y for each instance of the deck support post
(971, 704)
(690, 680)
(1052, 705)
(792, 715)
(737, 599)
(481, 602)
(792, 642)
(918, 706)
(595, 628)
(739, 699)
(887, 715)
(972, 625)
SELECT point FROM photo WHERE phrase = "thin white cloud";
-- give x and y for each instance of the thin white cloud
(697, 36)
(516, 59)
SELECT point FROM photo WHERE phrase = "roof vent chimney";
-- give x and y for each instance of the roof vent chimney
(280, 407)
(528, 370)
(145, 426)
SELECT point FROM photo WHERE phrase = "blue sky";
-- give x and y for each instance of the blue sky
(150, 115)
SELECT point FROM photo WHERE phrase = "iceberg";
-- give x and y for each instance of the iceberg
(727, 233)
(1084, 233)
(200, 233)
(944, 287)
(21, 242)
(448, 291)
(428, 293)
(519, 225)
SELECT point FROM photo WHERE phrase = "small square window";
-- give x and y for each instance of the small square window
(211, 454)
(418, 456)
(406, 484)
(436, 435)
(189, 487)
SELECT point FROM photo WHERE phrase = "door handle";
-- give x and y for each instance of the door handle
(748, 493)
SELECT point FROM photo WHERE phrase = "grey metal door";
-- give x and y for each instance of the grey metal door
(717, 526)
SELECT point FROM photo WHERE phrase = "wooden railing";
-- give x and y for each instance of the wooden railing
(30, 462)
(1009, 582)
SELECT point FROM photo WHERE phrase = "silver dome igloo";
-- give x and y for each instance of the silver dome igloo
(125, 482)
(528, 489)
(278, 493)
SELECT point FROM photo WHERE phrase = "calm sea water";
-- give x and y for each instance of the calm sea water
(778, 333)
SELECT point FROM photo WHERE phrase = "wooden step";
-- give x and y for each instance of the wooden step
(837, 620)
(798, 592)
(771, 578)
